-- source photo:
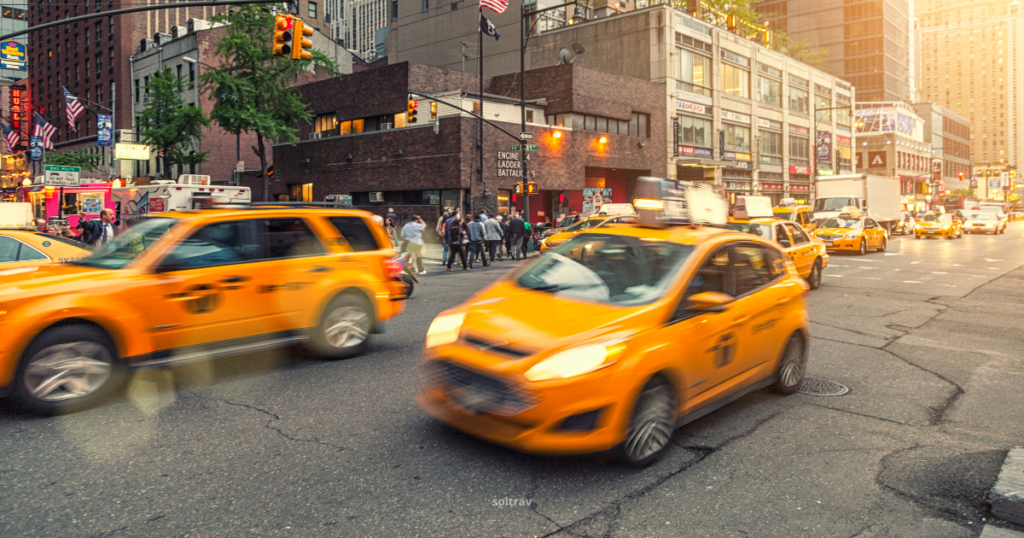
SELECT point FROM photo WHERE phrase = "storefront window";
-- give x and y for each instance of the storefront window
(503, 201)
(799, 148)
(301, 192)
(737, 138)
(695, 131)
(693, 72)
(769, 91)
(798, 100)
(735, 81)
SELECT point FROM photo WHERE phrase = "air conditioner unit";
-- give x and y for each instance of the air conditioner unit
(384, 126)
(195, 25)
(314, 136)
(376, 197)
(177, 31)
(193, 179)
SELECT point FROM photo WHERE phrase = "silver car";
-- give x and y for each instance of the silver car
(988, 223)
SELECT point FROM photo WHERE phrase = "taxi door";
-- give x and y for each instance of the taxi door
(298, 269)
(874, 233)
(802, 252)
(204, 289)
(758, 307)
(782, 237)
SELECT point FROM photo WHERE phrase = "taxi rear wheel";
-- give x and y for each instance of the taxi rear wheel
(885, 244)
(67, 369)
(344, 329)
(863, 247)
(651, 426)
(791, 365)
(814, 279)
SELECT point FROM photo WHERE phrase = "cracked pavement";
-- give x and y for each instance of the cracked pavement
(926, 336)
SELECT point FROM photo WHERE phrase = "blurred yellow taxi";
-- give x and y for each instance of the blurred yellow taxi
(180, 287)
(582, 226)
(807, 253)
(933, 225)
(802, 215)
(850, 231)
(618, 336)
(23, 250)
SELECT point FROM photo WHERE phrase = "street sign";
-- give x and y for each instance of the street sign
(515, 148)
(531, 148)
(61, 176)
(526, 136)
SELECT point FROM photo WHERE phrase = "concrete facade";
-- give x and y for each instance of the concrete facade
(891, 142)
(949, 134)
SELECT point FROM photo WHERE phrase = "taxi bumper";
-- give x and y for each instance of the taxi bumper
(936, 232)
(582, 415)
(986, 228)
(842, 244)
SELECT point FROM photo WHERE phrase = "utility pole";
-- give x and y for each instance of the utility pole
(522, 110)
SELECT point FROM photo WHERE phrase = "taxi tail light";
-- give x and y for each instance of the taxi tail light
(393, 268)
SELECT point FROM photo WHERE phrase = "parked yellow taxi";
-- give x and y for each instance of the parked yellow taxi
(615, 338)
(808, 253)
(852, 232)
(582, 226)
(187, 286)
(23, 250)
(933, 225)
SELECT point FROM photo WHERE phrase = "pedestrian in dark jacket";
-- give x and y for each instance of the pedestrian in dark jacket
(454, 236)
(516, 231)
(475, 231)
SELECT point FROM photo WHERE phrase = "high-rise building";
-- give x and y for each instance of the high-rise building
(335, 17)
(972, 59)
(14, 17)
(362, 20)
(868, 41)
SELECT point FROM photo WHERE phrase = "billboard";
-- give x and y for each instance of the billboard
(13, 55)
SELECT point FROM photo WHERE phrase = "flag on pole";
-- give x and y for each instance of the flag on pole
(11, 137)
(44, 131)
(487, 27)
(73, 108)
(497, 6)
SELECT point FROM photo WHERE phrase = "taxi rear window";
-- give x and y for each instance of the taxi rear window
(59, 239)
(356, 232)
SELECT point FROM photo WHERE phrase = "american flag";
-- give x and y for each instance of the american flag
(11, 137)
(44, 131)
(497, 6)
(73, 108)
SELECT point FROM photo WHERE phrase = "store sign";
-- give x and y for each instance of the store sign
(845, 140)
(741, 165)
(675, 137)
(761, 122)
(131, 152)
(876, 159)
(800, 170)
(509, 164)
(696, 152)
(771, 187)
(18, 109)
(824, 172)
(799, 188)
(795, 129)
(742, 156)
(994, 183)
(974, 183)
(734, 116)
(13, 55)
(690, 107)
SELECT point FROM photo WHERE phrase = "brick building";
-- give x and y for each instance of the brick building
(595, 133)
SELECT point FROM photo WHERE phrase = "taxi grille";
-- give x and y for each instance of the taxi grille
(501, 348)
(827, 237)
(479, 393)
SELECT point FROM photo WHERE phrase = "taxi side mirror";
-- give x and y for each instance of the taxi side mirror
(709, 301)
(784, 243)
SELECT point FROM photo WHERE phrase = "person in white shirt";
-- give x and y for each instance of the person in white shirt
(413, 233)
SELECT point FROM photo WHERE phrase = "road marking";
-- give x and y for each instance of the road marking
(914, 263)
(939, 273)
(893, 253)
(911, 281)
(837, 276)
(860, 260)
(991, 260)
(957, 265)
(994, 268)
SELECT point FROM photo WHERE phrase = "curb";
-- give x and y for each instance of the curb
(997, 532)
(1007, 495)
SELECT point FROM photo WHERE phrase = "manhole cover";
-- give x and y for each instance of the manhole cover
(821, 387)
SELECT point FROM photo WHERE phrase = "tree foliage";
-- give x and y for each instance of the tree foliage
(253, 90)
(168, 124)
(742, 9)
(79, 157)
(799, 50)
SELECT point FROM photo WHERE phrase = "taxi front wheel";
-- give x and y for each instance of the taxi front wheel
(863, 247)
(67, 369)
(344, 329)
(651, 426)
(791, 365)
(814, 279)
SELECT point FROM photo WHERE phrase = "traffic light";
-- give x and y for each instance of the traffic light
(283, 27)
(531, 188)
(302, 44)
(561, 198)
(960, 175)
(410, 111)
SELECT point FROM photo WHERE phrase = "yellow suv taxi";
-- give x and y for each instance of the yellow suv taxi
(852, 232)
(808, 253)
(180, 287)
(582, 226)
(643, 329)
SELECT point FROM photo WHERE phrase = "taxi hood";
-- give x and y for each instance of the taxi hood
(534, 321)
(47, 279)
(834, 230)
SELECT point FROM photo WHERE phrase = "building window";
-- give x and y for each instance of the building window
(394, 10)
(639, 125)
(191, 75)
(529, 116)
(695, 131)
(693, 72)
(350, 127)
(325, 122)
(844, 154)
(769, 91)
(426, 5)
(136, 90)
(301, 192)
(798, 100)
(821, 107)
(735, 81)
(99, 30)
(737, 138)
(799, 148)
(312, 10)
(771, 145)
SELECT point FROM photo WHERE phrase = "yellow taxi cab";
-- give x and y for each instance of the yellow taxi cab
(582, 226)
(851, 231)
(188, 286)
(645, 327)
(808, 253)
(23, 250)
(802, 215)
(933, 225)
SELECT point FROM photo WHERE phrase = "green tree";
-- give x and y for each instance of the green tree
(742, 9)
(170, 126)
(252, 89)
(79, 157)
(800, 51)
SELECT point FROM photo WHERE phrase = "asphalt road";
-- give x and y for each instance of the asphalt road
(927, 337)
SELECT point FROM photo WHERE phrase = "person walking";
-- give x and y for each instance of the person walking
(99, 231)
(454, 237)
(412, 234)
(392, 217)
(439, 228)
(516, 230)
(483, 216)
(392, 235)
(492, 235)
(526, 237)
(502, 250)
(475, 231)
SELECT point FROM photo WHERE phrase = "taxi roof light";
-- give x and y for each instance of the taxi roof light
(647, 203)
(665, 201)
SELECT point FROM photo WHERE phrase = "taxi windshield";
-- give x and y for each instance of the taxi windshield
(785, 214)
(760, 230)
(582, 225)
(606, 268)
(983, 216)
(842, 223)
(128, 246)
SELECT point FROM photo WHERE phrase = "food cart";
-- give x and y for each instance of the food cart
(49, 202)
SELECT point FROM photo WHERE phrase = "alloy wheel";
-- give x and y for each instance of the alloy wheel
(652, 425)
(791, 368)
(67, 371)
(346, 326)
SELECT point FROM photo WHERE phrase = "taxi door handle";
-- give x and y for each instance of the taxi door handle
(321, 269)
(781, 302)
(234, 279)
(739, 321)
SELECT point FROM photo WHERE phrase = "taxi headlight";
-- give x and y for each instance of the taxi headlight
(445, 329)
(575, 361)
(851, 235)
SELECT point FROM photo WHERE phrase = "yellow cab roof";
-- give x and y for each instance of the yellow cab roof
(229, 212)
(683, 234)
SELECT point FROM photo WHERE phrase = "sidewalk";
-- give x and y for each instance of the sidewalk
(432, 252)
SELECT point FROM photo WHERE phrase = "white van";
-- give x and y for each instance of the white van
(189, 192)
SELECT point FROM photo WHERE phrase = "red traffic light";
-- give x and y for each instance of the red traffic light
(960, 174)
(561, 198)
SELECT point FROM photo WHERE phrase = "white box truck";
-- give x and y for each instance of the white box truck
(189, 192)
(875, 196)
